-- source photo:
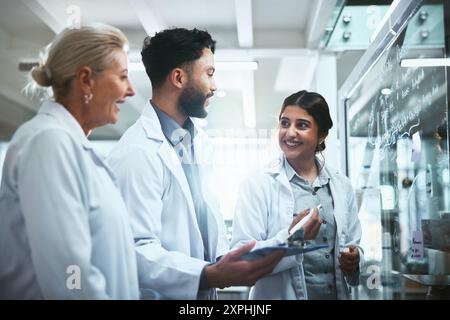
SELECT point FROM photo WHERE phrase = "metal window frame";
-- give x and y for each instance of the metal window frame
(388, 34)
(447, 69)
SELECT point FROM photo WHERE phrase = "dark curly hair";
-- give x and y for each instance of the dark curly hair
(172, 48)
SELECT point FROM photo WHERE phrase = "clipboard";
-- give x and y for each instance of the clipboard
(290, 250)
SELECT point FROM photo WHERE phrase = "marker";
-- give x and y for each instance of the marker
(305, 219)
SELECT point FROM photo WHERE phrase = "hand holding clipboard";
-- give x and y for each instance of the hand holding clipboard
(294, 244)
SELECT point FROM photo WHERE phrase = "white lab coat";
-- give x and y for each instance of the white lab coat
(264, 212)
(61, 216)
(167, 237)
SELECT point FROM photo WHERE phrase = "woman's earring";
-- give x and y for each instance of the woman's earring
(88, 98)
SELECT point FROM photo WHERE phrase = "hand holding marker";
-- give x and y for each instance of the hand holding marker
(302, 230)
(302, 222)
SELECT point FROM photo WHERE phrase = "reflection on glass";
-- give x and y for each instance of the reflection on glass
(398, 160)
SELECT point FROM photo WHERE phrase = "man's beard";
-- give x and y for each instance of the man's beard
(192, 101)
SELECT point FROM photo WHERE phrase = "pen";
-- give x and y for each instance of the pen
(305, 219)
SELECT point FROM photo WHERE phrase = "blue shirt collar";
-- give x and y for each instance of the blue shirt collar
(171, 129)
(322, 179)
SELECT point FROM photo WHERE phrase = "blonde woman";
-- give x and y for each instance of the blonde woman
(64, 230)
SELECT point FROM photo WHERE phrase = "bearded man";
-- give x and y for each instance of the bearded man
(159, 162)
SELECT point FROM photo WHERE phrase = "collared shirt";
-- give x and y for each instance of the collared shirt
(182, 139)
(318, 265)
(64, 231)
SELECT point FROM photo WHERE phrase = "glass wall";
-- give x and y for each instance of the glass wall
(398, 160)
(3, 148)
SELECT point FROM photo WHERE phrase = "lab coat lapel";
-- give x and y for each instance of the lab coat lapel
(167, 153)
(339, 208)
(62, 114)
(172, 162)
(100, 160)
(276, 169)
(202, 146)
(340, 219)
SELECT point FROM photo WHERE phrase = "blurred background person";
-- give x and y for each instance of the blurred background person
(64, 229)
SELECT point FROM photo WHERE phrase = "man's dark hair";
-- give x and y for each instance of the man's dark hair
(172, 48)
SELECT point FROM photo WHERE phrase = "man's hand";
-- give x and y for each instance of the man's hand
(310, 228)
(232, 271)
(349, 261)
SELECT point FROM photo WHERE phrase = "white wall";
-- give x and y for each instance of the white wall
(325, 83)
(3, 147)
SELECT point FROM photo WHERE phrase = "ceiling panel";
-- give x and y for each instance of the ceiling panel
(216, 14)
(285, 14)
(277, 24)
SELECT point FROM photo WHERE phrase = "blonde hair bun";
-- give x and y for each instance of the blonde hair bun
(41, 76)
(94, 46)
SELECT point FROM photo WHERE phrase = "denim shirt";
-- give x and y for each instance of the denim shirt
(318, 265)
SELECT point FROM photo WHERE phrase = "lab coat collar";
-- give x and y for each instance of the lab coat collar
(171, 129)
(153, 130)
(322, 179)
(151, 124)
(276, 170)
(58, 111)
(275, 167)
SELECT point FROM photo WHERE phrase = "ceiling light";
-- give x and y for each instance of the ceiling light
(427, 62)
(386, 91)
(244, 22)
